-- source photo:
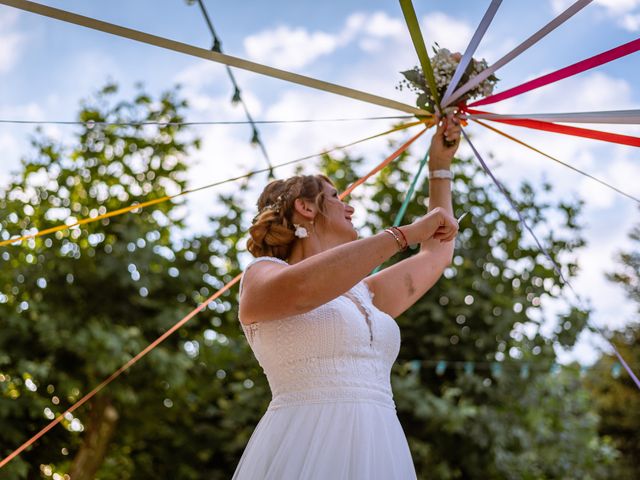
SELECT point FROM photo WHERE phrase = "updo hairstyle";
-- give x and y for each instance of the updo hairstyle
(272, 230)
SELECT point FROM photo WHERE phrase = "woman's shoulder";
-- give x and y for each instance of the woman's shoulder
(258, 260)
(267, 259)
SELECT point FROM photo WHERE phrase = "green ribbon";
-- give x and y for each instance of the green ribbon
(407, 198)
(418, 43)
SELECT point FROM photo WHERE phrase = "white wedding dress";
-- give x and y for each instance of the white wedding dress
(332, 414)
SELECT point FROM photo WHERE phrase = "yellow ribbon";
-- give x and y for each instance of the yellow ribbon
(120, 211)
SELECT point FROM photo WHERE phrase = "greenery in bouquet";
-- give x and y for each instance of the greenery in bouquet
(444, 65)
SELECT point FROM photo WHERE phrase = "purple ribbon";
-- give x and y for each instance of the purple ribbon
(485, 167)
(471, 48)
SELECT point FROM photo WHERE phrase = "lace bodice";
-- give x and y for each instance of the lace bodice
(340, 351)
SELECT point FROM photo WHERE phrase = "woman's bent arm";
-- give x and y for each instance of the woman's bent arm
(272, 291)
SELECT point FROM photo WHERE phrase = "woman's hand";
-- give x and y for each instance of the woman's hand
(440, 153)
(437, 224)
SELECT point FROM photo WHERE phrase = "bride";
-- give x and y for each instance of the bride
(323, 329)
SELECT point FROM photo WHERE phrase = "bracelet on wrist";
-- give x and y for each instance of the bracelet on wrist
(395, 236)
(440, 174)
(406, 244)
(402, 245)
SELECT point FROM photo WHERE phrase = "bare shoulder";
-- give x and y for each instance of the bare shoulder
(258, 290)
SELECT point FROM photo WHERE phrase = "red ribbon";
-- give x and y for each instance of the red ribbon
(589, 63)
(566, 130)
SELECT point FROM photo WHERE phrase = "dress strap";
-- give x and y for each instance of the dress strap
(260, 259)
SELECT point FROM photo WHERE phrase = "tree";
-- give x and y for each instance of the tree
(616, 395)
(77, 305)
(497, 423)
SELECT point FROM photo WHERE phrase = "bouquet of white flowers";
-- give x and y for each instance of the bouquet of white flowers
(444, 65)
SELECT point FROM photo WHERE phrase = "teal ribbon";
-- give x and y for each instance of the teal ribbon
(407, 198)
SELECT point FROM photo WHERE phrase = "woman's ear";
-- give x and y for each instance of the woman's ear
(304, 208)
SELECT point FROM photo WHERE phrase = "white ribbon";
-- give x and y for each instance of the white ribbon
(612, 116)
(162, 42)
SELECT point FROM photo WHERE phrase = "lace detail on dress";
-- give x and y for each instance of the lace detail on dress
(355, 295)
(340, 351)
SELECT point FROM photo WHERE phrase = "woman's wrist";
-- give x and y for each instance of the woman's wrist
(437, 164)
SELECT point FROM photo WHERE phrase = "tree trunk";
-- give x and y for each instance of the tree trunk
(98, 433)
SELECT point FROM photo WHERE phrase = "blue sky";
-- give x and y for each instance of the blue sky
(47, 67)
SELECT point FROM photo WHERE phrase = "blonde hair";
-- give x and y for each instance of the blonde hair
(272, 230)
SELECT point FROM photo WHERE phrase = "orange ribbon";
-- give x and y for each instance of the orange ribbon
(602, 182)
(384, 163)
(198, 309)
(120, 211)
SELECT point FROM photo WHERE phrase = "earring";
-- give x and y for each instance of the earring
(300, 232)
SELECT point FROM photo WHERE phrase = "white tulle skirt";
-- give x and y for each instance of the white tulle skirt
(327, 441)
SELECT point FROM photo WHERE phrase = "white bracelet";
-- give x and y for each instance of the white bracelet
(440, 174)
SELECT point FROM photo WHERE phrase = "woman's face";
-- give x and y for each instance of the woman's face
(337, 220)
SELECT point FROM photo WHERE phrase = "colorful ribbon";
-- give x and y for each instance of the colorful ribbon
(166, 198)
(563, 73)
(471, 49)
(384, 163)
(513, 205)
(602, 182)
(529, 42)
(545, 252)
(407, 199)
(421, 50)
(610, 116)
(567, 130)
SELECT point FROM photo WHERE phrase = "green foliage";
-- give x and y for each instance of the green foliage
(617, 399)
(77, 305)
(486, 308)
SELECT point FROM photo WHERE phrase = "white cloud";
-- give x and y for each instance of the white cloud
(201, 74)
(11, 42)
(381, 25)
(619, 6)
(295, 47)
(626, 13)
(447, 31)
(289, 47)
(631, 22)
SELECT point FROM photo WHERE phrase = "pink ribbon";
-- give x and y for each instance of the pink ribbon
(589, 63)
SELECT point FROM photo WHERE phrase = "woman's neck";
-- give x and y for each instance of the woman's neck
(307, 247)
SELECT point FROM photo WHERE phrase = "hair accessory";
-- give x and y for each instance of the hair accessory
(440, 174)
(300, 232)
(275, 206)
